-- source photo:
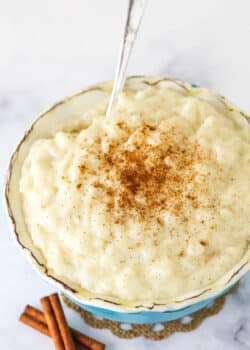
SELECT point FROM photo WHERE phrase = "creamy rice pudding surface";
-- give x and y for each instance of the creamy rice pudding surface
(146, 205)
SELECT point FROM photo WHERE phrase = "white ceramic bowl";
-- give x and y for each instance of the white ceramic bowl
(61, 117)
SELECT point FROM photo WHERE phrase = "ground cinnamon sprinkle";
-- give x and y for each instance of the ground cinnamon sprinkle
(181, 254)
(203, 243)
(81, 168)
(147, 177)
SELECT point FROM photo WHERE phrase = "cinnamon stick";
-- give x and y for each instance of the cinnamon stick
(83, 339)
(35, 313)
(52, 324)
(87, 341)
(39, 326)
(42, 327)
(61, 322)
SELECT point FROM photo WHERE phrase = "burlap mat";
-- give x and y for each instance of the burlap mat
(151, 331)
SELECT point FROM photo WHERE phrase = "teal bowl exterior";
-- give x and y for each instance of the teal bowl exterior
(147, 317)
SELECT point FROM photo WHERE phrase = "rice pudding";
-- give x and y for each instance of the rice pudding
(146, 205)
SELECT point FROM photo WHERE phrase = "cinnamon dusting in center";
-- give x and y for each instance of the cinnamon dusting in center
(148, 177)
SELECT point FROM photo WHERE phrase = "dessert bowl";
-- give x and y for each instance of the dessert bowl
(61, 117)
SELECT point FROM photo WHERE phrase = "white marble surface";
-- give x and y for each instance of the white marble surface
(49, 49)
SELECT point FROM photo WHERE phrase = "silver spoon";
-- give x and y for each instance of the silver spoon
(134, 17)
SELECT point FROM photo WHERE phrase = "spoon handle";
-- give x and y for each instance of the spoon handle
(134, 16)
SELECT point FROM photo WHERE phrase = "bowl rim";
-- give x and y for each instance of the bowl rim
(179, 302)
